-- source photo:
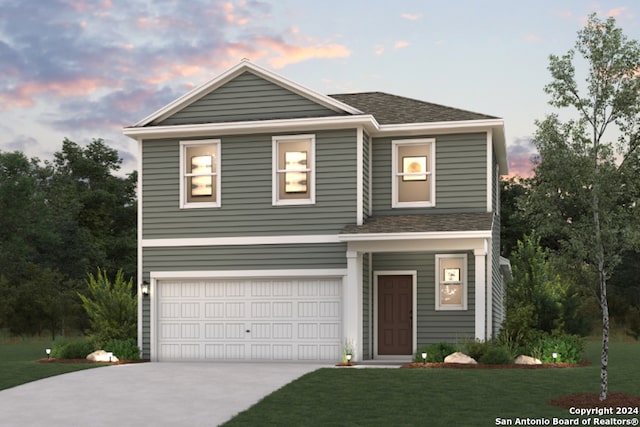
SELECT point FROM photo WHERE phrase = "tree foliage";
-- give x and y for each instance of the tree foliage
(59, 220)
(585, 191)
(111, 306)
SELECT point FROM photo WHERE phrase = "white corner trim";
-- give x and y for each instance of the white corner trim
(490, 174)
(359, 176)
(240, 241)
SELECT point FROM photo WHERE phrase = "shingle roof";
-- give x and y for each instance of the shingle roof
(394, 109)
(481, 221)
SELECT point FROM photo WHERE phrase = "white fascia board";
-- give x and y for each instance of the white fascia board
(240, 274)
(240, 128)
(241, 241)
(376, 237)
(232, 73)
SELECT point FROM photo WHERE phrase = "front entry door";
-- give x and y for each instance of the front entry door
(395, 303)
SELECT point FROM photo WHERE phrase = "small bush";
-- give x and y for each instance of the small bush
(570, 348)
(496, 355)
(124, 349)
(476, 349)
(435, 352)
(76, 349)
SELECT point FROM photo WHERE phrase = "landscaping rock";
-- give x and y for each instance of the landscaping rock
(102, 356)
(458, 357)
(527, 360)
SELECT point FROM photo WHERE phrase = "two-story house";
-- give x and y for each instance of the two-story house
(280, 224)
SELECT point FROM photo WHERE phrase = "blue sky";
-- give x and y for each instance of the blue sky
(85, 69)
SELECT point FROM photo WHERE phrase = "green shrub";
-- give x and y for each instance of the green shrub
(76, 349)
(569, 348)
(124, 349)
(435, 352)
(476, 349)
(111, 307)
(496, 355)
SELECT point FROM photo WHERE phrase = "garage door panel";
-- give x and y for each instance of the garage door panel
(261, 320)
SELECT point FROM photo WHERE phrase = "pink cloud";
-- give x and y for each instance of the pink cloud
(25, 94)
(521, 155)
(616, 12)
(532, 38)
(411, 17)
(379, 50)
(400, 44)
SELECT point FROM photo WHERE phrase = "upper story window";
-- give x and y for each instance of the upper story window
(294, 170)
(451, 282)
(413, 173)
(200, 173)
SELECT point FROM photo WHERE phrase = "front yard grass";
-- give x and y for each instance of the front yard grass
(439, 397)
(18, 363)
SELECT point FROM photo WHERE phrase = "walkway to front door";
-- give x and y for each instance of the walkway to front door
(395, 315)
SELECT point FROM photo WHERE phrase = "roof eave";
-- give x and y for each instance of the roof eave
(431, 235)
(239, 128)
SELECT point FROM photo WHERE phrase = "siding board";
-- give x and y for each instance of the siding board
(246, 189)
(433, 326)
(247, 97)
(460, 175)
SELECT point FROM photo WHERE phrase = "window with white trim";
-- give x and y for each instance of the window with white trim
(413, 173)
(451, 282)
(293, 170)
(200, 173)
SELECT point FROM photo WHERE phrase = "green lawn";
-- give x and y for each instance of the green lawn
(438, 397)
(18, 363)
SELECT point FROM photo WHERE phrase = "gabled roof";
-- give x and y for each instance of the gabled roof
(394, 109)
(243, 67)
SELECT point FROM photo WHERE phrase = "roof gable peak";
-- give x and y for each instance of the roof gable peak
(242, 67)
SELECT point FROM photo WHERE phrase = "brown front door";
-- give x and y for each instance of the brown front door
(395, 302)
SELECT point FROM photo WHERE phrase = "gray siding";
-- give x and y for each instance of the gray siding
(254, 257)
(461, 174)
(367, 290)
(498, 287)
(247, 97)
(246, 190)
(146, 328)
(366, 171)
(433, 326)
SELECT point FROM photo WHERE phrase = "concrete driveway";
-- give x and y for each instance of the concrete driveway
(154, 394)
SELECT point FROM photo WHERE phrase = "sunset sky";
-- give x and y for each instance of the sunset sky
(85, 69)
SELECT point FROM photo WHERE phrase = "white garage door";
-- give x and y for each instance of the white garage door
(250, 320)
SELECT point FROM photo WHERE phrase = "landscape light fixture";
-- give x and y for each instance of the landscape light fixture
(349, 358)
(48, 351)
(145, 288)
(424, 357)
(555, 357)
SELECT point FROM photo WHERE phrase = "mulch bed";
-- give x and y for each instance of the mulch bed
(420, 365)
(121, 362)
(592, 400)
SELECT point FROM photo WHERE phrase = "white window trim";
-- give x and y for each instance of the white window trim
(395, 203)
(276, 201)
(465, 283)
(183, 191)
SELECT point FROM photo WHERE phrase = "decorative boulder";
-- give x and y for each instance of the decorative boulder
(527, 360)
(458, 357)
(102, 356)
